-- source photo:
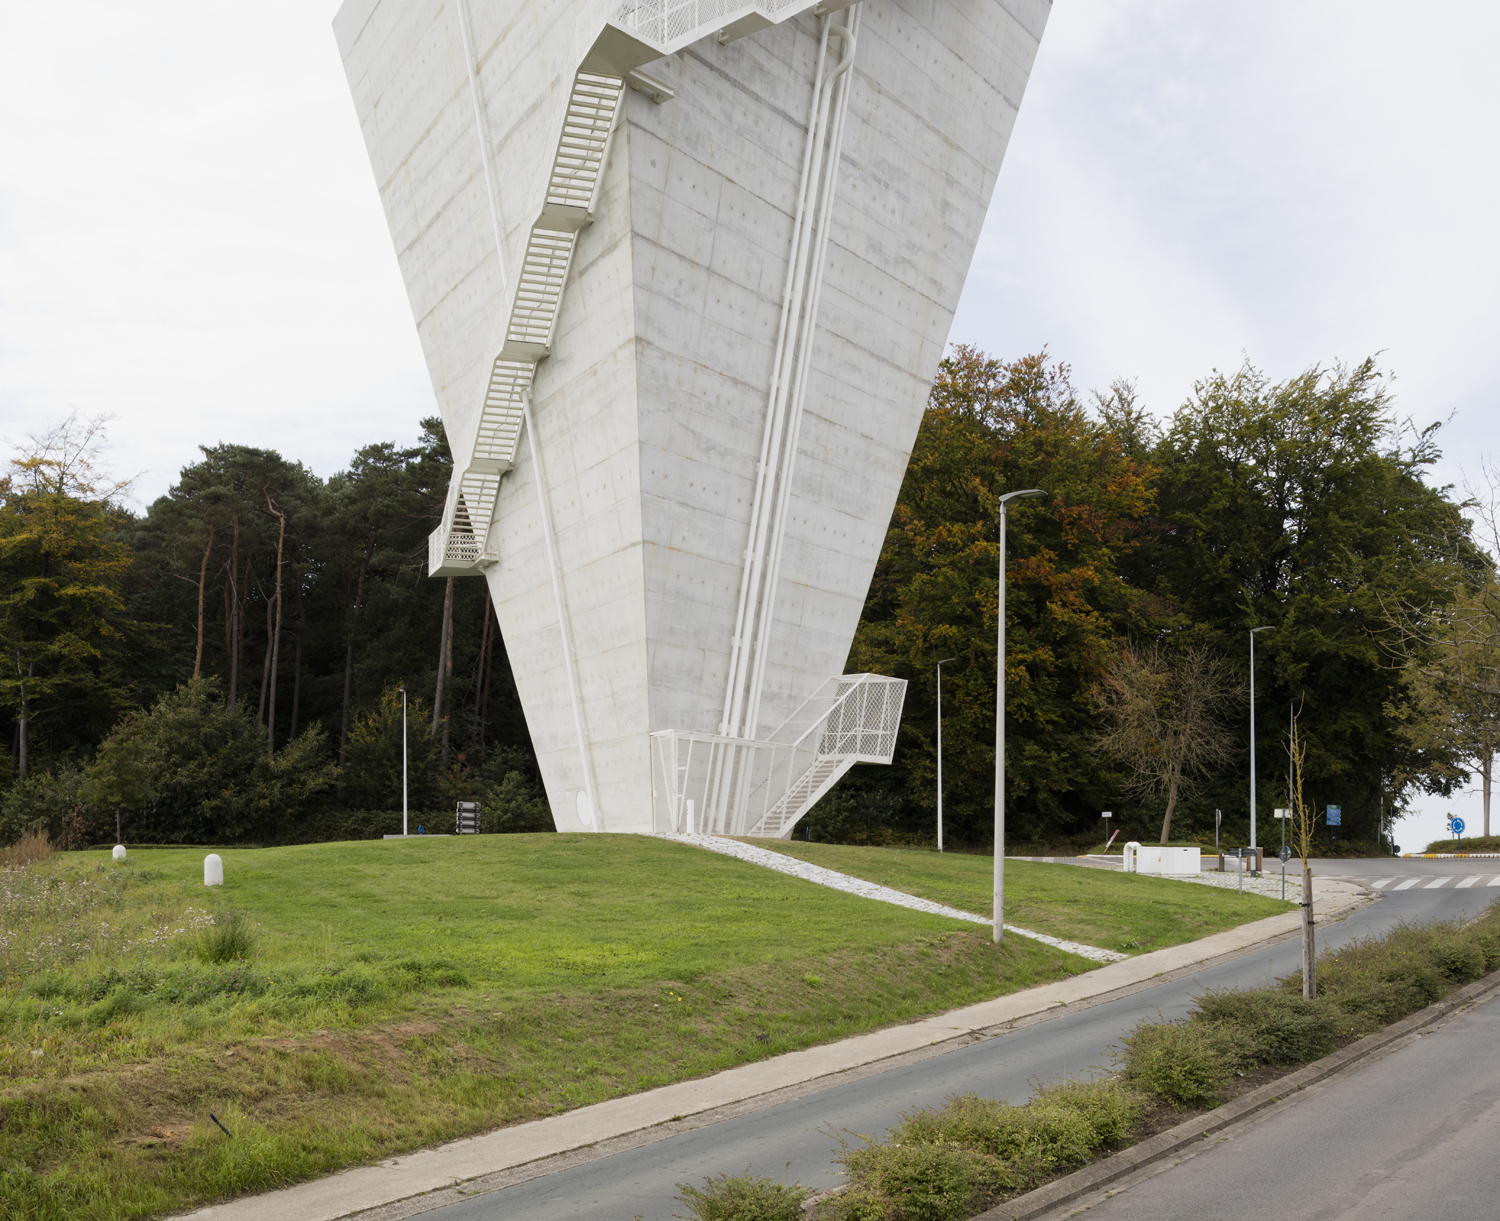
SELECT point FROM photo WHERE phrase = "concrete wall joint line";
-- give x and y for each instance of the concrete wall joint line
(544, 507)
(482, 132)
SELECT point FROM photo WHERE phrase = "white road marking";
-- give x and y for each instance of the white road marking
(1406, 885)
(1466, 882)
(1381, 883)
(1436, 883)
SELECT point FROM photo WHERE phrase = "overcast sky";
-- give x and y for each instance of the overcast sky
(190, 238)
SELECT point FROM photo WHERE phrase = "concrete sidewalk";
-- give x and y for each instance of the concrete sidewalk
(429, 1170)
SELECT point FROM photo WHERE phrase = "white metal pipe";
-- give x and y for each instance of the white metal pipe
(771, 434)
(562, 616)
(803, 354)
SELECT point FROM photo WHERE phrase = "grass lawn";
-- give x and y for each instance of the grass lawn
(1129, 913)
(394, 995)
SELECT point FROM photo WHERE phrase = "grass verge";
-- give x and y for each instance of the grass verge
(1129, 913)
(1474, 843)
(948, 1163)
(339, 1003)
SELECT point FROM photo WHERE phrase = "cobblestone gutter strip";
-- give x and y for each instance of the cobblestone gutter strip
(869, 890)
(1073, 1187)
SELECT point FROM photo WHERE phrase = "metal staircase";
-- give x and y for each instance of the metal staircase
(459, 544)
(635, 32)
(717, 785)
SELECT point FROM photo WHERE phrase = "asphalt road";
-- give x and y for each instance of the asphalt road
(1410, 1134)
(796, 1140)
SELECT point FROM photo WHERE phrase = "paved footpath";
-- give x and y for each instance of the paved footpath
(533, 1159)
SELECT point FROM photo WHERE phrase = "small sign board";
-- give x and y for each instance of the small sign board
(1335, 816)
(1285, 854)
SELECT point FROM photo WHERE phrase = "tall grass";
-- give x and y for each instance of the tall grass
(230, 938)
(32, 847)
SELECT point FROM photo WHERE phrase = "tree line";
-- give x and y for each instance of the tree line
(1303, 507)
(227, 665)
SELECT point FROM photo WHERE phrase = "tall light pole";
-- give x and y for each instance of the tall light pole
(403, 761)
(940, 666)
(1252, 732)
(999, 913)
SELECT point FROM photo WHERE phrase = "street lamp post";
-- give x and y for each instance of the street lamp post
(940, 666)
(403, 761)
(999, 912)
(1253, 840)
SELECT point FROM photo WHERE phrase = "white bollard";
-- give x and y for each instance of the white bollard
(692, 828)
(119, 852)
(1130, 863)
(213, 870)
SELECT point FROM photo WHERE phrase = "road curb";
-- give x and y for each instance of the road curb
(1070, 1188)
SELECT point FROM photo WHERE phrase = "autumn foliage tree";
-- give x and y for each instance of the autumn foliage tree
(992, 427)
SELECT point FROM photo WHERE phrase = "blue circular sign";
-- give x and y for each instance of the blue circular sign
(1458, 826)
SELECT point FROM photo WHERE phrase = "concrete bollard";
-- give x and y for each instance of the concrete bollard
(119, 852)
(213, 870)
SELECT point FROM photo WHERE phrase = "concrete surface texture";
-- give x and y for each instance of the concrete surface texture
(650, 409)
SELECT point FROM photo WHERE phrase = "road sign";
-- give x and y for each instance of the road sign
(1458, 826)
(1335, 815)
(1285, 854)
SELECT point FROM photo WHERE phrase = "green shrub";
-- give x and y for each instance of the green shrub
(927, 1182)
(745, 1197)
(1187, 1063)
(1062, 1126)
(855, 1204)
(228, 939)
(1111, 1107)
(1271, 1026)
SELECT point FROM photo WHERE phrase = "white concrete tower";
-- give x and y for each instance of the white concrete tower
(683, 271)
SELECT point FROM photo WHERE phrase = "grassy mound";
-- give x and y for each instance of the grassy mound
(1472, 843)
(339, 1003)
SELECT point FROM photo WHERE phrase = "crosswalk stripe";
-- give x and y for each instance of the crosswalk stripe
(1381, 883)
(1436, 883)
(1406, 885)
(1466, 882)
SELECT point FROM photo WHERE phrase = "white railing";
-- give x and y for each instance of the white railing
(458, 545)
(715, 785)
(670, 23)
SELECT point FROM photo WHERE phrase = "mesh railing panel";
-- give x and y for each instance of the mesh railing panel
(738, 786)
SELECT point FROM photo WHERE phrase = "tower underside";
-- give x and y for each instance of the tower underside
(683, 292)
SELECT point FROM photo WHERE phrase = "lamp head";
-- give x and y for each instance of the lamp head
(1027, 494)
(946, 660)
(1267, 628)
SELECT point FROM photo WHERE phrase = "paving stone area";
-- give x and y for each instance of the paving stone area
(869, 890)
